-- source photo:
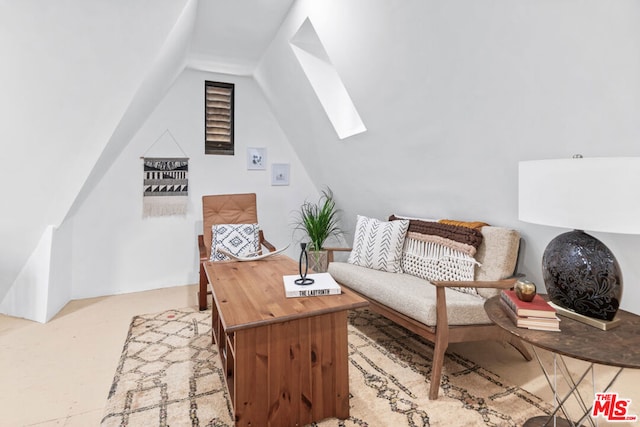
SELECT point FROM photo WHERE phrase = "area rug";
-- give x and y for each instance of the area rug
(170, 375)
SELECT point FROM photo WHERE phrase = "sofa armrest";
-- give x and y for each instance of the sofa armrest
(330, 252)
(500, 284)
(442, 325)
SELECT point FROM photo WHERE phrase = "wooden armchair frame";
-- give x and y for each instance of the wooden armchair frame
(224, 209)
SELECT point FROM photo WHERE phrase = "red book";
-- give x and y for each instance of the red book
(536, 308)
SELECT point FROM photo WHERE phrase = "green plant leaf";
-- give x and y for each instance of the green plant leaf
(319, 220)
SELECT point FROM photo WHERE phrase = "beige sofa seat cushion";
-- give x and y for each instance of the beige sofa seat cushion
(410, 295)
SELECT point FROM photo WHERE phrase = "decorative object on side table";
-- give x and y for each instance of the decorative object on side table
(319, 221)
(581, 275)
(525, 290)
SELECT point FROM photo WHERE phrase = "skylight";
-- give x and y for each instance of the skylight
(326, 82)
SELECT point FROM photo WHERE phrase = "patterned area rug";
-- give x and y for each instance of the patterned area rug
(170, 375)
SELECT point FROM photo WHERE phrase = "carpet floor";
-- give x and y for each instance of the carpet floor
(170, 375)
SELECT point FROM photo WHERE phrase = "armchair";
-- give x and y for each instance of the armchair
(224, 209)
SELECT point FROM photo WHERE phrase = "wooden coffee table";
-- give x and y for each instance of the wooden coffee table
(286, 359)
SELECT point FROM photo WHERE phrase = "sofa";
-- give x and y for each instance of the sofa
(432, 277)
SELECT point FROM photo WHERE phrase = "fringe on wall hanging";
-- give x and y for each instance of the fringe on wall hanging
(165, 183)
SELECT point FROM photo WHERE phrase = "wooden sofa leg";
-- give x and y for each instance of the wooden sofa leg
(436, 370)
(441, 342)
(202, 292)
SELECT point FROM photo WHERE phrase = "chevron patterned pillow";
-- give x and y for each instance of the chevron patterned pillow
(378, 244)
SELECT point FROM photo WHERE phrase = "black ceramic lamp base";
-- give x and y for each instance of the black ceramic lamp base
(583, 278)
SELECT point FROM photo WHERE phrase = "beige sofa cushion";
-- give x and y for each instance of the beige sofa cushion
(497, 255)
(410, 295)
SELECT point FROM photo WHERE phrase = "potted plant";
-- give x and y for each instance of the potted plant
(319, 221)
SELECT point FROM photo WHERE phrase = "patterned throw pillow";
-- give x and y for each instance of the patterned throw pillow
(237, 239)
(378, 244)
(441, 251)
(433, 261)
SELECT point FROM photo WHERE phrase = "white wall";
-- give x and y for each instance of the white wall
(113, 117)
(454, 94)
(69, 71)
(60, 274)
(32, 283)
(115, 250)
(43, 286)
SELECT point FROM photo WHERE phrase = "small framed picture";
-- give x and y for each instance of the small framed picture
(256, 158)
(280, 174)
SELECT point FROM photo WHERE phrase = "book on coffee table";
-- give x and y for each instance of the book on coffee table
(323, 284)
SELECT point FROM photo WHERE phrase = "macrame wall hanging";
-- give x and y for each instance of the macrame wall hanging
(165, 183)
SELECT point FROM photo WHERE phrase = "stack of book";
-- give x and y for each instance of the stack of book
(537, 314)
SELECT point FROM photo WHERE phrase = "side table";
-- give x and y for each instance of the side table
(619, 347)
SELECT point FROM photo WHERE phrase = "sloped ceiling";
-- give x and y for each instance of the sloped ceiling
(231, 36)
(71, 72)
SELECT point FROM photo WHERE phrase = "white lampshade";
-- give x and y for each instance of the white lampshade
(591, 194)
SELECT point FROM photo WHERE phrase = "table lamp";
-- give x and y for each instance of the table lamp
(581, 275)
